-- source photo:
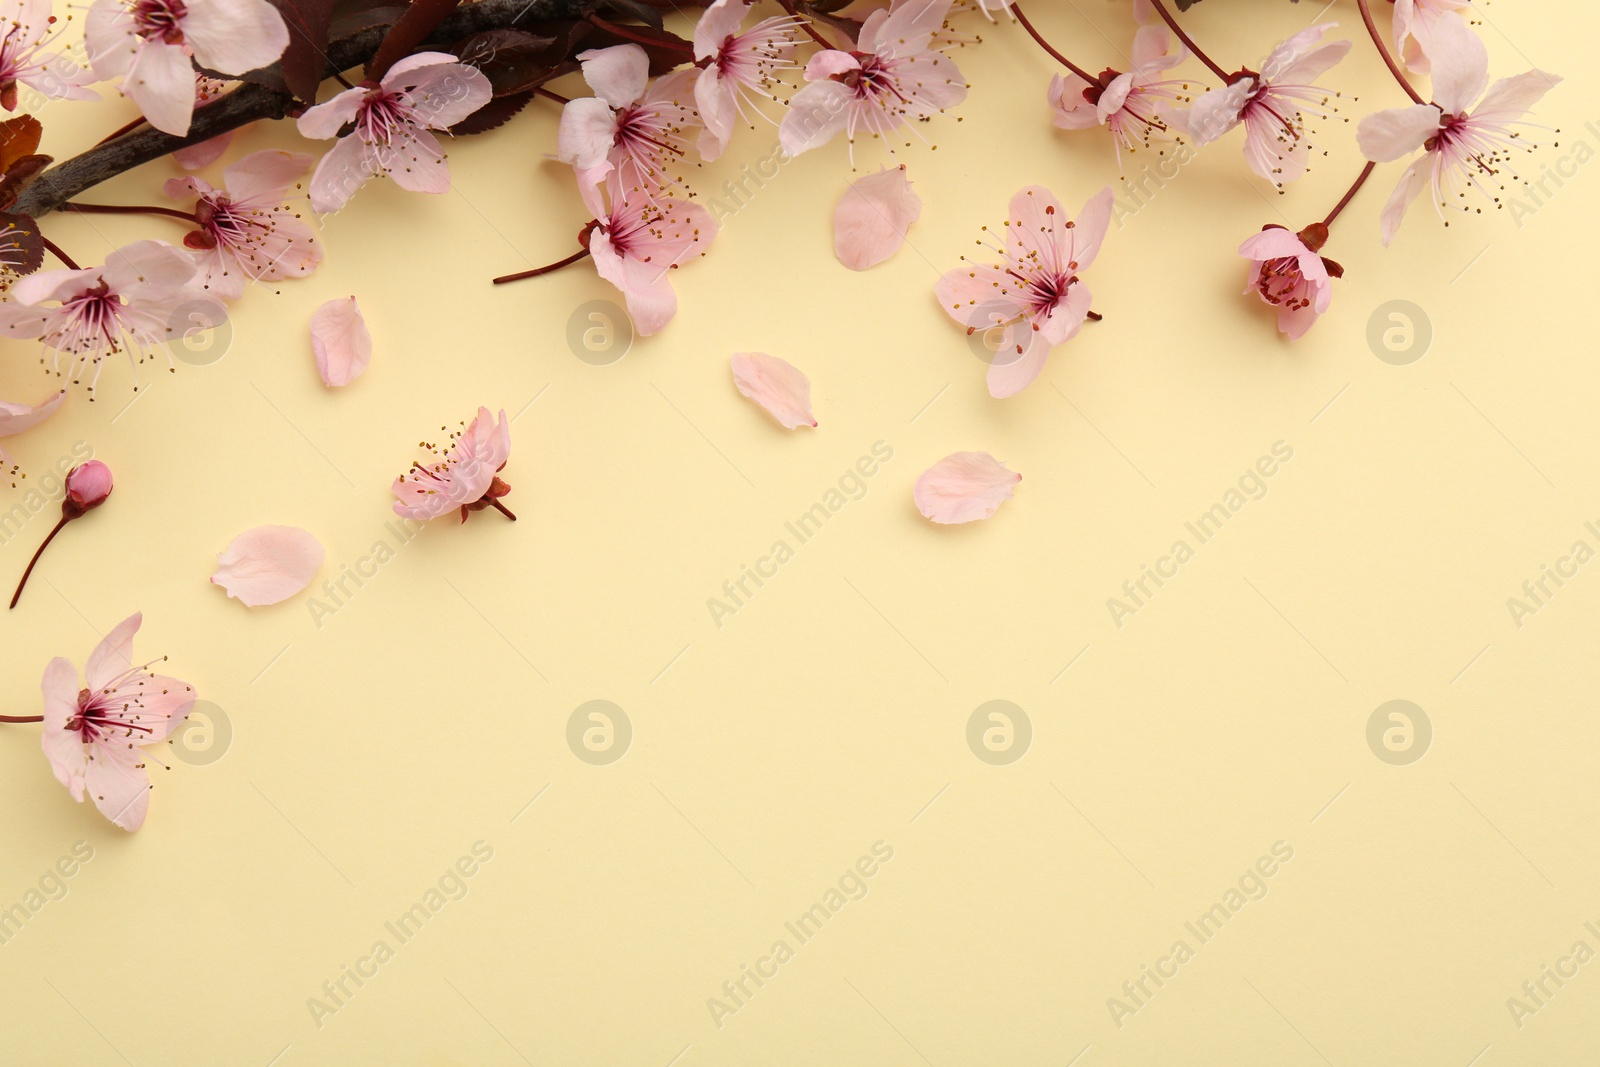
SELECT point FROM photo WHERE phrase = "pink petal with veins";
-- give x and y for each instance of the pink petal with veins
(872, 218)
(340, 341)
(776, 385)
(268, 564)
(964, 487)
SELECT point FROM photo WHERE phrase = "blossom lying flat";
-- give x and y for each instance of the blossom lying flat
(247, 232)
(463, 477)
(964, 487)
(1130, 104)
(776, 385)
(340, 341)
(1287, 273)
(872, 218)
(94, 735)
(267, 564)
(639, 241)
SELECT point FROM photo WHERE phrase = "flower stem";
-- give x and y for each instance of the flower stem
(129, 209)
(1188, 42)
(48, 538)
(1383, 50)
(62, 256)
(1016, 9)
(805, 24)
(548, 95)
(632, 35)
(21, 718)
(535, 272)
(1361, 179)
(502, 509)
(120, 130)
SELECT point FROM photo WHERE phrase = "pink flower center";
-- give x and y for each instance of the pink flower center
(159, 20)
(383, 116)
(97, 719)
(1281, 284)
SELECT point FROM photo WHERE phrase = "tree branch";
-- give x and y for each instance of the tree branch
(251, 102)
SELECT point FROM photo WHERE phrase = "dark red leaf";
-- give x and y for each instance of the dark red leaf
(495, 113)
(18, 175)
(18, 137)
(420, 19)
(24, 249)
(513, 60)
(305, 60)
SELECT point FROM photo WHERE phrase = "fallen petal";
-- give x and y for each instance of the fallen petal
(872, 218)
(964, 487)
(776, 385)
(14, 418)
(268, 564)
(340, 341)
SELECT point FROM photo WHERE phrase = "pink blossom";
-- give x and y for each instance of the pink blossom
(1034, 294)
(30, 29)
(1287, 273)
(208, 152)
(94, 736)
(739, 67)
(88, 485)
(1414, 23)
(1463, 146)
(462, 474)
(894, 76)
(631, 126)
(149, 44)
(1273, 104)
(247, 232)
(1129, 104)
(126, 307)
(423, 92)
(639, 241)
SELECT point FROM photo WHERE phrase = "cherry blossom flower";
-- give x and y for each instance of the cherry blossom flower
(126, 306)
(1273, 104)
(268, 564)
(149, 44)
(630, 127)
(894, 76)
(426, 91)
(30, 29)
(777, 385)
(94, 736)
(1128, 104)
(639, 241)
(246, 232)
(1414, 23)
(462, 476)
(1034, 294)
(1287, 273)
(964, 487)
(1463, 145)
(739, 67)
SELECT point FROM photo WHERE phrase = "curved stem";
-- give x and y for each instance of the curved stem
(502, 509)
(1016, 9)
(51, 536)
(805, 24)
(535, 272)
(1361, 179)
(1383, 50)
(62, 256)
(21, 718)
(1188, 42)
(132, 209)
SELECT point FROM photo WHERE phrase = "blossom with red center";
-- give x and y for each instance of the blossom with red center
(95, 736)
(30, 29)
(150, 43)
(631, 127)
(1466, 134)
(247, 232)
(389, 127)
(639, 241)
(1273, 104)
(1288, 273)
(1033, 294)
(739, 67)
(463, 474)
(124, 307)
(1129, 104)
(893, 77)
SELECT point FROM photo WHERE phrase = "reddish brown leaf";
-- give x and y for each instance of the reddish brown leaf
(23, 248)
(18, 175)
(18, 137)
(495, 113)
(420, 19)
(304, 62)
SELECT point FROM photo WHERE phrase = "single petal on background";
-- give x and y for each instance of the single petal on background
(776, 385)
(964, 487)
(340, 341)
(268, 564)
(872, 218)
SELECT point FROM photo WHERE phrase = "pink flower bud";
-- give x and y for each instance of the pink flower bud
(88, 485)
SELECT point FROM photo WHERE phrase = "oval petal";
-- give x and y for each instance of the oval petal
(268, 564)
(872, 218)
(340, 341)
(776, 385)
(964, 487)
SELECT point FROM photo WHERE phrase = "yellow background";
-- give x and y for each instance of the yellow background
(830, 713)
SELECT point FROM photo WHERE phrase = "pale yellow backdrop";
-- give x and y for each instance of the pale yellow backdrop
(1228, 716)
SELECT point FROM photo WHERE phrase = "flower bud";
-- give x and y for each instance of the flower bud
(88, 485)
